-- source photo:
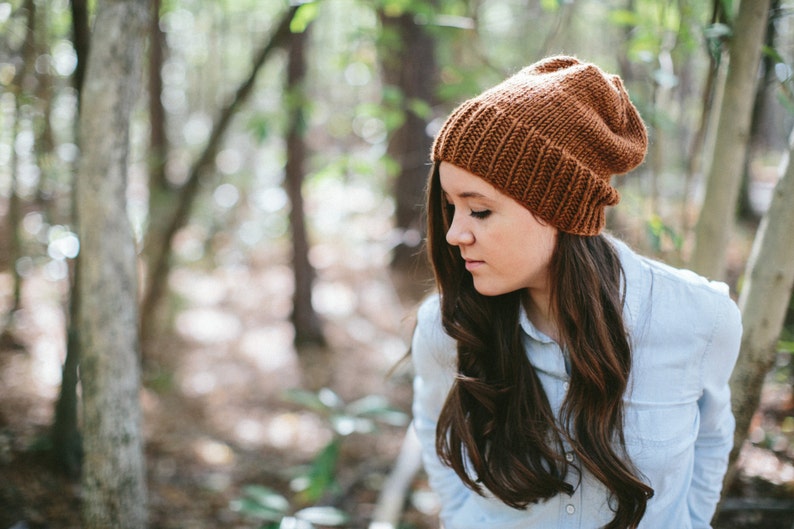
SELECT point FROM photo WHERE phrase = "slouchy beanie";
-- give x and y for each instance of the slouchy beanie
(551, 137)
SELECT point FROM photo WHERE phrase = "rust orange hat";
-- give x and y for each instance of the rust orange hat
(550, 137)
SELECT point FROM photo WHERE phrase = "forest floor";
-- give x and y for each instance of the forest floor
(216, 417)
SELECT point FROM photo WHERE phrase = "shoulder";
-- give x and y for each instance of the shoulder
(676, 299)
(662, 282)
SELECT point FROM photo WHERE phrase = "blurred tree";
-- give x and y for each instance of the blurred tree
(715, 224)
(22, 82)
(161, 192)
(761, 135)
(764, 303)
(408, 60)
(158, 240)
(308, 329)
(114, 486)
(715, 36)
(66, 438)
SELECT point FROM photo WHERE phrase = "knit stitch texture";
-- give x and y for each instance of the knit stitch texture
(551, 137)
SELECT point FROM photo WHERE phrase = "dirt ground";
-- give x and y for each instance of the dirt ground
(216, 418)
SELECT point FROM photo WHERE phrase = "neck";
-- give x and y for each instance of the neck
(540, 312)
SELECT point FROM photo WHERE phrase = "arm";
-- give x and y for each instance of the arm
(434, 356)
(715, 436)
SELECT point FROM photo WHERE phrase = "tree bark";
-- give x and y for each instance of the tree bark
(411, 68)
(715, 225)
(162, 195)
(81, 39)
(764, 303)
(66, 437)
(114, 486)
(308, 328)
(708, 99)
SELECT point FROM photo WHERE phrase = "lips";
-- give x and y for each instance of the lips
(472, 264)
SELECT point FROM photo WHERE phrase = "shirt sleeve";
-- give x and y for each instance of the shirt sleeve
(715, 436)
(434, 356)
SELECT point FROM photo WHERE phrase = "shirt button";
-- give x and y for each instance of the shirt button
(570, 509)
(569, 457)
(565, 386)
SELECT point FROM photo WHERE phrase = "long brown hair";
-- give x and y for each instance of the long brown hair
(496, 428)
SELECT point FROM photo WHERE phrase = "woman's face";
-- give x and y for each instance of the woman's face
(505, 247)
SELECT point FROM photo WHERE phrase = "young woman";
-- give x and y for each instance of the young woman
(561, 379)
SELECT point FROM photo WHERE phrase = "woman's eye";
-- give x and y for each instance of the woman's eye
(480, 214)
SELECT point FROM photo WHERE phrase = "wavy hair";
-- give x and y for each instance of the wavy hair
(496, 428)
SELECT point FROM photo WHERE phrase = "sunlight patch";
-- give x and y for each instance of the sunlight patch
(334, 299)
(213, 452)
(270, 348)
(208, 325)
(302, 431)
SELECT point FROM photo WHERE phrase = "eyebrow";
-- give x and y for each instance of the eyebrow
(469, 194)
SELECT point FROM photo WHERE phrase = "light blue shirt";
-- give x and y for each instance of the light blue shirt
(685, 333)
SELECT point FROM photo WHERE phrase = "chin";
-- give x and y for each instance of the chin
(489, 290)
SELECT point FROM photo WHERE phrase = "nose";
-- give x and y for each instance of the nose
(459, 233)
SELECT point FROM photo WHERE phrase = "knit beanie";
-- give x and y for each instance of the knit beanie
(550, 137)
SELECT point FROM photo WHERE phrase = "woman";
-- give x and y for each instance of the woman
(561, 379)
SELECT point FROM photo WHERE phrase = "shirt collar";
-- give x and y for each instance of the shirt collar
(635, 281)
(530, 329)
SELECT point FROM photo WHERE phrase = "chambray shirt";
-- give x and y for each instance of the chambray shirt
(685, 333)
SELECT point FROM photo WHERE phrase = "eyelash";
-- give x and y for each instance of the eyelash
(483, 214)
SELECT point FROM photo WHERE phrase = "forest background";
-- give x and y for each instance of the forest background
(211, 244)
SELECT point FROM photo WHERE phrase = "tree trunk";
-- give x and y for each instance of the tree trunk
(715, 225)
(162, 195)
(81, 38)
(158, 242)
(759, 134)
(66, 438)
(308, 329)
(114, 486)
(411, 68)
(709, 97)
(764, 303)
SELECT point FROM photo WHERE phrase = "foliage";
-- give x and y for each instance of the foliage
(273, 510)
(658, 232)
(317, 480)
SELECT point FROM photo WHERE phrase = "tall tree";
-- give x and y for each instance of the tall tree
(114, 486)
(308, 329)
(409, 64)
(66, 437)
(764, 302)
(715, 224)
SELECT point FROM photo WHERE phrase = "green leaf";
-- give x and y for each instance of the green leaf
(323, 516)
(717, 31)
(321, 473)
(330, 399)
(304, 16)
(368, 404)
(290, 522)
(377, 407)
(346, 424)
(266, 497)
(253, 509)
(307, 399)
